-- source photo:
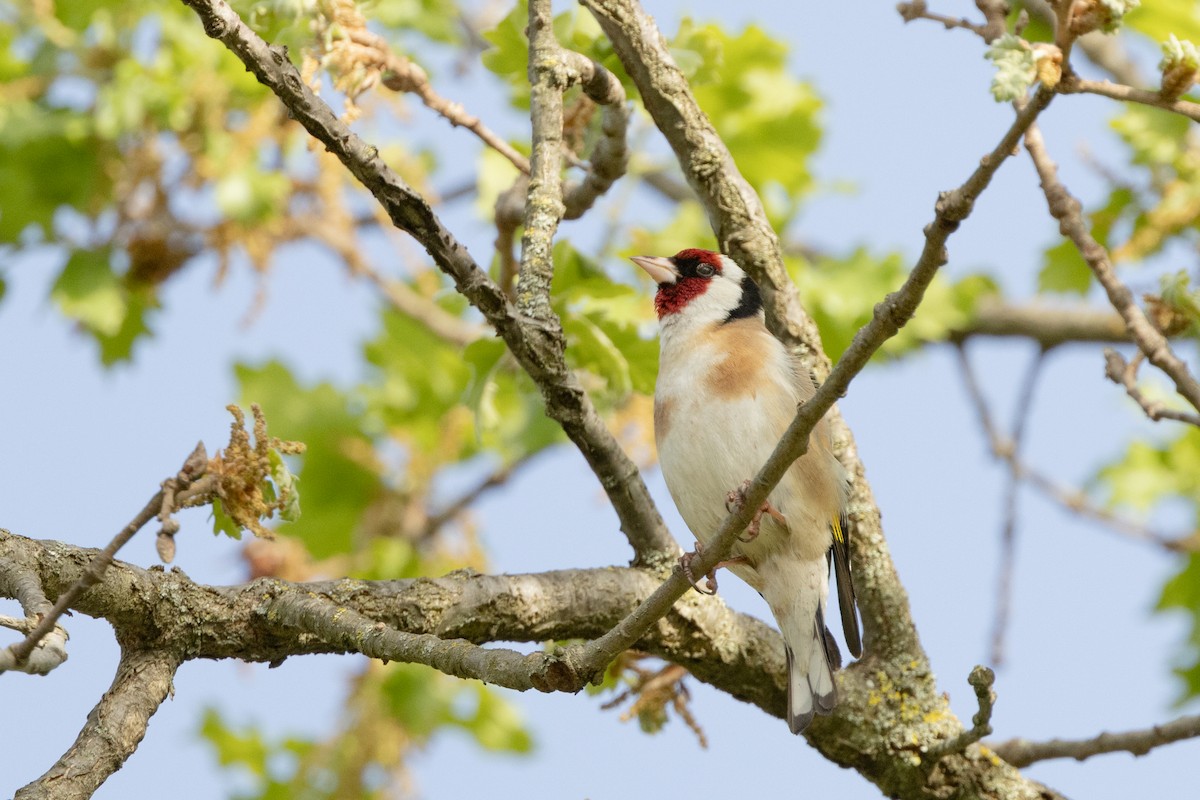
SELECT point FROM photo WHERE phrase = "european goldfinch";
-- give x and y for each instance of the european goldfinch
(726, 391)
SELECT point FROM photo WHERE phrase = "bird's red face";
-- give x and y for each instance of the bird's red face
(681, 278)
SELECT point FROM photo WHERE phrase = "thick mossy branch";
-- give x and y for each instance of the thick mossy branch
(258, 621)
(544, 207)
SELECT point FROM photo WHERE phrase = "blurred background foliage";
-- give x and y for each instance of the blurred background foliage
(133, 147)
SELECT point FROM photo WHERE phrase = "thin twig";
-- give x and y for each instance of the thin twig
(1064, 36)
(455, 507)
(666, 184)
(1109, 53)
(397, 293)
(996, 442)
(1068, 211)
(981, 680)
(188, 484)
(1008, 531)
(1071, 84)
(1072, 500)
(1123, 373)
(919, 10)
(1022, 752)
(402, 75)
(996, 14)
(1077, 502)
(409, 302)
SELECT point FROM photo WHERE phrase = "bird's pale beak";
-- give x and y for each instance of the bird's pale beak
(661, 270)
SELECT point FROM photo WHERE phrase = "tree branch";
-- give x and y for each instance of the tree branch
(1073, 500)
(1046, 325)
(919, 10)
(175, 493)
(552, 70)
(51, 650)
(403, 75)
(113, 729)
(549, 77)
(981, 680)
(342, 627)
(1008, 532)
(735, 653)
(566, 401)
(160, 610)
(1068, 211)
(610, 156)
(1123, 373)
(1072, 84)
(1022, 752)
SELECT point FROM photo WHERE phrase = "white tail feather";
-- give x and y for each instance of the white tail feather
(811, 688)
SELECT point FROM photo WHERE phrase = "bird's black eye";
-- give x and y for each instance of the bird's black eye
(705, 270)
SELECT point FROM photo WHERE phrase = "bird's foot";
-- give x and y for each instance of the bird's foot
(737, 497)
(710, 580)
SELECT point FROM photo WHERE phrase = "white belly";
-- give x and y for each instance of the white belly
(710, 445)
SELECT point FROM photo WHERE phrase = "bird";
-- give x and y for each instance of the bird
(726, 391)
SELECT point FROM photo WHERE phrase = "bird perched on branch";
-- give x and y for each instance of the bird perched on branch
(727, 390)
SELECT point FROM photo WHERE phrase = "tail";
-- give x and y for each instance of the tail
(811, 664)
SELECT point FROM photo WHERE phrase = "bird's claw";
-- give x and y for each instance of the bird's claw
(751, 532)
(737, 497)
(710, 580)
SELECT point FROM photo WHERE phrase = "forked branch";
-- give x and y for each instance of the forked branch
(1065, 208)
(534, 347)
